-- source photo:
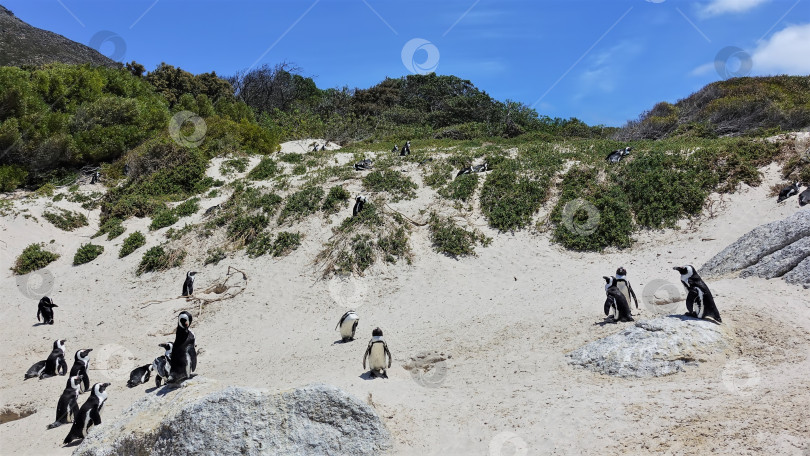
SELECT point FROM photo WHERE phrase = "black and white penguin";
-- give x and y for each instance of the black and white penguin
(364, 164)
(465, 170)
(480, 168)
(359, 202)
(184, 354)
(96, 178)
(699, 299)
(315, 149)
(789, 191)
(81, 364)
(617, 155)
(323, 148)
(804, 197)
(54, 365)
(188, 284)
(616, 306)
(45, 308)
(90, 413)
(395, 149)
(348, 325)
(376, 352)
(126, 169)
(162, 364)
(68, 404)
(624, 286)
(406, 149)
(140, 375)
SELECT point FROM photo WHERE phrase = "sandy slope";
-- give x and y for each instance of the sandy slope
(503, 320)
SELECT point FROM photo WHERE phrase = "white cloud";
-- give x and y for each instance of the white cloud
(719, 7)
(706, 68)
(787, 51)
(606, 69)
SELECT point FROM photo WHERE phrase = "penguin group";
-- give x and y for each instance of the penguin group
(377, 353)
(617, 155)
(792, 190)
(364, 164)
(469, 169)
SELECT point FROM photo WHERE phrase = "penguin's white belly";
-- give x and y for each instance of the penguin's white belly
(346, 327)
(623, 288)
(377, 357)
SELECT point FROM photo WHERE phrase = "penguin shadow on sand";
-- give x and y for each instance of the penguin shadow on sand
(691, 318)
(168, 387)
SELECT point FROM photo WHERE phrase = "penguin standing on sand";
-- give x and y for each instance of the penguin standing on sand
(45, 308)
(54, 365)
(804, 197)
(81, 365)
(184, 354)
(789, 191)
(140, 375)
(624, 286)
(323, 148)
(162, 364)
(90, 413)
(96, 177)
(699, 299)
(315, 149)
(395, 149)
(617, 155)
(616, 306)
(68, 405)
(188, 285)
(359, 202)
(348, 325)
(376, 352)
(406, 149)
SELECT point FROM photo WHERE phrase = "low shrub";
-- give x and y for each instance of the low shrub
(301, 204)
(11, 177)
(32, 258)
(215, 255)
(396, 184)
(133, 242)
(163, 218)
(159, 259)
(335, 199)
(461, 188)
(112, 227)
(266, 169)
(452, 240)
(509, 200)
(66, 220)
(87, 253)
(187, 208)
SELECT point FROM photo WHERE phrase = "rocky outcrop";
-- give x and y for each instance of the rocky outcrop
(652, 348)
(771, 250)
(201, 418)
(800, 275)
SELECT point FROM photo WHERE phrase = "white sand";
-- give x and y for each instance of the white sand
(504, 319)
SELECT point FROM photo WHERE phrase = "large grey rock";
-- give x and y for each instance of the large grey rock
(652, 348)
(800, 275)
(201, 418)
(779, 262)
(757, 243)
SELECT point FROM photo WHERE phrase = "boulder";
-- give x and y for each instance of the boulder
(779, 262)
(652, 348)
(202, 418)
(800, 275)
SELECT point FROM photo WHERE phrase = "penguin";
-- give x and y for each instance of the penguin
(617, 155)
(616, 306)
(45, 308)
(378, 350)
(480, 168)
(789, 191)
(348, 325)
(395, 149)
(698, 294)
(140, 375)
(96, 177)
(188, 285)
(363, 164)
(68, 404)
(804, 197)
(211, 211)
(466, 170)
(54, 365)
(429, 159)
(406, 149)
(315, 149)
(162, 364)
(624, 286)
(126, 169)
(184, 355)
(359, 202)
(81, 364)
(323, 148)
(90, 413)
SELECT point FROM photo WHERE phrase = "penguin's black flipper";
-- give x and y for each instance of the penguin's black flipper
(86, 381)
(192, 354)
(607, 306)
(62, 370)
(390, 358)
(690, 301)
(95, 416)
(39, 311)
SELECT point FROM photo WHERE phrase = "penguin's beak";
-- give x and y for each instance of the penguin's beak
(677, 269)
(54, 305)
(89, 349)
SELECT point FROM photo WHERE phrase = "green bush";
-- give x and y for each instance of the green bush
(215, 256)
(260, 245)
(112, 227)
(398, 185)
(285, 243)
(299, 170)
(66, 220)
(394, 245)
(292, 158)
(301, 204)
(335, 199)
(133, 242)
(509, 200)
(159, 259)
(87, 253)
(188, 207)
(266, 169)
(32, 258)
(450, 239)
(591, 220)
(244, 229)
(234, 165)
(461, 188)
(11, 177)
(163, 218)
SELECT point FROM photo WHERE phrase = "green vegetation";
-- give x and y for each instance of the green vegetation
(245, 228)
(32, 258)
(11, 176)
(266, 169)
(450, 239)
(133, 242)
(87, 253)
(65, 220)
(393, 182)
(159, 259)
(283, 244)
(188, 207)
(215, 255)
(234, 165)
(461, 188)
(335, 199)
(301, 204)
(112, 227)
(163, 218)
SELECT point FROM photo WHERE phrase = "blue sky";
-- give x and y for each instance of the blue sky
(601, 61)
